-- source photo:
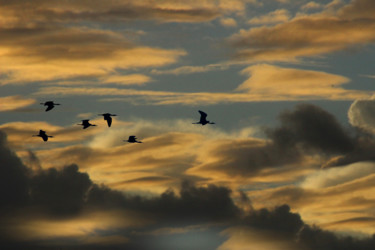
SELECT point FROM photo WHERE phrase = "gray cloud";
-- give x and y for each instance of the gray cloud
(306, 130)
(70, 192)
(14, 177)
(313, 128)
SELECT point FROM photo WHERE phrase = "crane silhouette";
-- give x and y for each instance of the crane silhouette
(132, 139)
(108, 118)
(86, 124)
(50, 105)
(203, 119)
(43, 134)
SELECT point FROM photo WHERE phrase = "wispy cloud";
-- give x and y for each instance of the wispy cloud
(190, 69)
(263, 84)
(10, 103)
(277, 16)
(308, 36)
(74, 52)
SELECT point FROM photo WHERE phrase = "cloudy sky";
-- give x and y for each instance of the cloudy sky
(288, 164)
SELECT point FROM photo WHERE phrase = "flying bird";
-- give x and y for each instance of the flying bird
(133, 139)
(108, 118)
(50, 105)
(86, 124)
(43, 134)
(203, 119)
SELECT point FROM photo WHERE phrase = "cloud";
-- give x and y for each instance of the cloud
(64, 12)
(265, 80)
(249, 156)
(64, 198)
(64, 53)
(311, 6)
(20, 133)
(360, 114)
(277, 16)
(263, 84)
(13, 103)
(228, 22)
(308, 36)
(132, 79)
(60, 192)
(358, 9)
(13, 177)
(313, 128)
(335, 176)
(190, 69)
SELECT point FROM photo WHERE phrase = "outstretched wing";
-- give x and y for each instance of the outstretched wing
(203, 114)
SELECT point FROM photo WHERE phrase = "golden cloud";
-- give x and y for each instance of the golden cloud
(307, 36)
(265, 83)
(45, 54)
(248, 238)
(277, 16)
(316, 197)
(9, 103)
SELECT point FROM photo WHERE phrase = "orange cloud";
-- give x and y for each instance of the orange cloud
(307, 36)
(74, 52)
(9, 103)
(277, 16)
(265, 83)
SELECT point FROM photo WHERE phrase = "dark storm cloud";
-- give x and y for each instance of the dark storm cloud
(14, 178)
(315, 238)
(313, 128)
(363, 151)
(60, 192)
(67, 191)
(192, 204)
(280, 219)
(292, 227)
(248, 157)
(304, 131)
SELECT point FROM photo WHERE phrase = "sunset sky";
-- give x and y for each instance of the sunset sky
(288, 164)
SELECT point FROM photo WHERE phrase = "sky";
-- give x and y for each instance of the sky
(288, 164)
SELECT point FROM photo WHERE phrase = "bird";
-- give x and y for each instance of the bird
(203, 120)
(86, 124)
(108, 118)
(43, 134)
(132, 139)
(50, 105)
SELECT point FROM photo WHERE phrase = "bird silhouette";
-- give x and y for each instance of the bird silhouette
(203, 119)
(108, 118)
(50, 105)
(43, 134)
(86, 124)
(133, 139)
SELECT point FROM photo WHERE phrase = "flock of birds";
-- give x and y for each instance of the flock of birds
(107, 117)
